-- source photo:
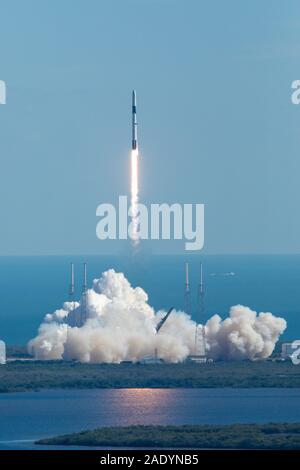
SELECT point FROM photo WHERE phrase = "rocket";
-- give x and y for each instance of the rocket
(134, 122)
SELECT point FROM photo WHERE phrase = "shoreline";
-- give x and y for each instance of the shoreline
(24, 376)
(225, 437)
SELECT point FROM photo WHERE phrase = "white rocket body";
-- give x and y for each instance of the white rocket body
(134, 122)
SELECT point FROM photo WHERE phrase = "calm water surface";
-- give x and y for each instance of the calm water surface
(25, 417)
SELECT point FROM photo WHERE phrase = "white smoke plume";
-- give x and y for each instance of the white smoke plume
(121, 324)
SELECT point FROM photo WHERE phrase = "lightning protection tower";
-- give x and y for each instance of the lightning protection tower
(200, 340)
(72, 294)
(187, 292)
(83, 304)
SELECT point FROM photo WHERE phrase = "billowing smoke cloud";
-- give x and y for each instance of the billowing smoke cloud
(244, 334)
(121, 324)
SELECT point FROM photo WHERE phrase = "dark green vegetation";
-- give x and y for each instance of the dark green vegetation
(235, 436)
(27, 375)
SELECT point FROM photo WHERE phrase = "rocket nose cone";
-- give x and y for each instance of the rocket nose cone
(133, 97)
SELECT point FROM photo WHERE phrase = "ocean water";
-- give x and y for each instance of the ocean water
(30, 287)
(26, 417)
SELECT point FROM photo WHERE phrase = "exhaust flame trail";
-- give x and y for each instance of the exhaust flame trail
(134, 178)
(134, 197)
(134, 175)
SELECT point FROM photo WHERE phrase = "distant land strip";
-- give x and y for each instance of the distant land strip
(235, 436)
(20, 376)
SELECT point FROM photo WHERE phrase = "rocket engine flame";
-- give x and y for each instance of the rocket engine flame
(134, 177)
(134, 198)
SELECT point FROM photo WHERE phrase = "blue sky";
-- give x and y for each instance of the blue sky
(217, 125)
